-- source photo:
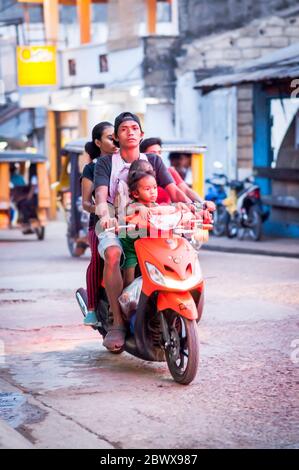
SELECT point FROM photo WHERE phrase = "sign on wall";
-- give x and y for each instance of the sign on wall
(36, 65)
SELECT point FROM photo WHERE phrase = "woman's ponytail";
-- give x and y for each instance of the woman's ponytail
(90, 147)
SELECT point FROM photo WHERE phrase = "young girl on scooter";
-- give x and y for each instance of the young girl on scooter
(143, 190)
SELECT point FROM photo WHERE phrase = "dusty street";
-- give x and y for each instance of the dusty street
(61, 389)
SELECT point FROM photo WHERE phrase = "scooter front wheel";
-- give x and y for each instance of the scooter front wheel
(182, 354)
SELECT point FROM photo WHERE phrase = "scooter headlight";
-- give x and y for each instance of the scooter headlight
(155, 275)
(179, 285)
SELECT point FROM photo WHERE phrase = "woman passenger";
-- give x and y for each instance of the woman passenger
(101, 144)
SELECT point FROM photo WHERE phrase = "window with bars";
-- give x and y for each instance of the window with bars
(103, 63)
(72, 67)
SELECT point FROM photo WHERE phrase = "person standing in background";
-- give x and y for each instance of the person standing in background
(154, 145)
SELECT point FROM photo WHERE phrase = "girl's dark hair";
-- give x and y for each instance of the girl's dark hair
(149, 142)
(90, 147)
(138, 170)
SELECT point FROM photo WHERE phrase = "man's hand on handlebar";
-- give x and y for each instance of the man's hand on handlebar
(183, 206)
(210, 206)
(108, 222)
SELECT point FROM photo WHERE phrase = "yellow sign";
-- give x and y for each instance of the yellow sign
(36, 65)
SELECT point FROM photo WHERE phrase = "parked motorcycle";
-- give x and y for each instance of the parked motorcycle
(77, 224)
(168, 298)
(245, 209)
(217, 193)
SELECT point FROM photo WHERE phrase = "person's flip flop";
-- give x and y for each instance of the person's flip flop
(115, 338)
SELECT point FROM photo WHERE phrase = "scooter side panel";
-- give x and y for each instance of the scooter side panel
(180, 302)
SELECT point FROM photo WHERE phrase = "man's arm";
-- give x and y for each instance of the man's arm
(107, 219)
(176, 195)
(189, 192)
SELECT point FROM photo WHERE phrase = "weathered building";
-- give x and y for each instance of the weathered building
(273, 85)
(220, 53)
(200, 18)
(103, 48)
(239, 123)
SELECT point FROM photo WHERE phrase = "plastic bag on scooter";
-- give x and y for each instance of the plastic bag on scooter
(130, 297)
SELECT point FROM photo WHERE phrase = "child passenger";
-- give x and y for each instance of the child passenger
(143, 191)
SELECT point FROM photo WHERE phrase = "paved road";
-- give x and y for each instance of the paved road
(60, 388)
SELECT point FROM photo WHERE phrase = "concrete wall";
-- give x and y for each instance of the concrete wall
(124, 23)
(188, 119)
(218, 130)
(159, 66)
(124, 66)
(199, 18)
(159, 121)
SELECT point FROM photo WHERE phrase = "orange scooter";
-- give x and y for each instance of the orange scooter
(171, 295)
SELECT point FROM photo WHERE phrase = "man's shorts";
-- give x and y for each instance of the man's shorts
(107, 239)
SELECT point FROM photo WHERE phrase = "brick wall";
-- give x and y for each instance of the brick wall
(245, 127)
(236, 47)
(199, 18)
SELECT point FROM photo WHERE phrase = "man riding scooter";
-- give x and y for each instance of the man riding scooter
(110, 172)
(163, 301)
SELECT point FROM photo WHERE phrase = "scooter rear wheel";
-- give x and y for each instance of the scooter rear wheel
(232, 228)
(254, 224)
(182, 355)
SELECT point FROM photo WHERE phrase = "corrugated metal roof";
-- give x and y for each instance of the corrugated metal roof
(280, 64)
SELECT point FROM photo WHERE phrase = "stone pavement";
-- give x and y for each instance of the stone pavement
(11, 439)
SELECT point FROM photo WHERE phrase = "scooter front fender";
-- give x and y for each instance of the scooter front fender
(180, 302)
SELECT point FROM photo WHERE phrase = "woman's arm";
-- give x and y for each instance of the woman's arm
(87, 190)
